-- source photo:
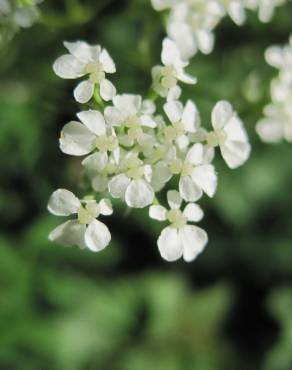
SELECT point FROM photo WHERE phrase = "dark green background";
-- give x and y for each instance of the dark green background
(126, 308)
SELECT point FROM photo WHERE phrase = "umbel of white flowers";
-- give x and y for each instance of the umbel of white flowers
(276, 125)
(190, 23)
(130, 152)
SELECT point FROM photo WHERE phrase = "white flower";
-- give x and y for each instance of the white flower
(92, 134)
(266, 8)
(179, 239)
(165, 77)
(190, 25)
(100, 167)
(85, 231)
(184, 121)
(229, 134)
(87, 60)
(280, 57)
(235, 9)
(197, 175)
(135, 116)
(276, 124)
(133, 184)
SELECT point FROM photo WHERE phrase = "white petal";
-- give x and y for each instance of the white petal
(174, 93)
(157, 212)
(205, 40)
(100, 183)
(184, 77)
(79, 49)
(188, 190)
(274, 56)
(97, 236)
(68, 234)
(95, 162)
(148, 121)
(235, 153)
(170, 245)
(221, 114)
(170, 53)
(236, 12)
(113, 116)
(183, 36)
(148, 107)
(182, 142)
(118, 185)
(76, 139)
(174, 199)
(148, 172)
(63, 203)
(193, 212)
(106, 208)
(107, 62)
(235, 130)
(67, 66)
(107, 90)
(160, 175)
(195, 154)
(173, 110)
(83, 92)
(194, 240)
(205, 177)
(139, 194)
(94, 121)
(190, 117)
(128, 103)
(269, 130)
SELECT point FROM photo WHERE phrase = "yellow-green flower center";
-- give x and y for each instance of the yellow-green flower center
(176, 218)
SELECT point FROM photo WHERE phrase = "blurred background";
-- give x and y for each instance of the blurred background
(126, 308)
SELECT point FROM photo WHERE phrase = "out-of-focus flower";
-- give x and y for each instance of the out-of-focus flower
(276, 124)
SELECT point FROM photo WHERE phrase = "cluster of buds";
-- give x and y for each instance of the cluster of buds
(276, 124)
(132, 152)
(191, 23)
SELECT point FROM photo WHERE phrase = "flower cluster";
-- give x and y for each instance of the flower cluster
(276, 124)
(131, 152)
(16, 14)
(191, 23)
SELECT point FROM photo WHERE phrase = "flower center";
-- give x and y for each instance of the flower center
(215, 138)
(88, 213)
(135, 168)
(187, 169)
(95, 71)
(106, 143)
(176, 218)
(168, 79)
(176, 166)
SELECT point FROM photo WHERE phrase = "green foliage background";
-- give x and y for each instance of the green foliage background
(125, 308)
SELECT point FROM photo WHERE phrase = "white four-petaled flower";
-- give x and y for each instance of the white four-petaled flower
(85, 231)
(93, 61)
(179, 239)
(229, 134)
